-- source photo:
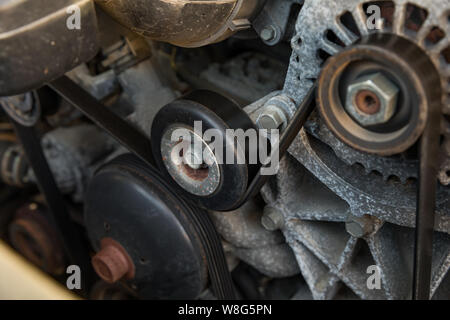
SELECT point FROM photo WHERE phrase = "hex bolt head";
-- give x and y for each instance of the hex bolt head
(272, 117)
(267, 33)
(372, 99)
(272, 219)
(193, 158)
(23, 102)
(359, 227)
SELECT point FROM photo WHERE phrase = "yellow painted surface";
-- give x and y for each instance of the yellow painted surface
(21, 280)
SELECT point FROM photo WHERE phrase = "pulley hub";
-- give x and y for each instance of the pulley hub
(375, 95)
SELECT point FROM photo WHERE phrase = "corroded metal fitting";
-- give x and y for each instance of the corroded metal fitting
(112, 262)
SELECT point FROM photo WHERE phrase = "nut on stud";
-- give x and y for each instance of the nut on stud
(272, 219)
(372, 99)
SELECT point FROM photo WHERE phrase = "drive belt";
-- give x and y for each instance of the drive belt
(75, 247)
(139, 144)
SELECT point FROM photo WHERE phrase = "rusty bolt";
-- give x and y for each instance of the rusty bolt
(372, 99)
(112, 262)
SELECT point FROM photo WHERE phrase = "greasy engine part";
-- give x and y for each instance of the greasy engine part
(106, 291)
(246, 77)
(256, 256)
(118, 128)
(200, 175)
(185, 23)
(37, 43)
(339, 217)
(341, 24)
(376, 94)
(26, 282)
(112, 262)
(273, 24)
(343, 218)
(444, 171)
(73, 154)
(138, 142)
(32, 234)
(426, 203)
(14, 167)
(248, 240)
(24, 108)
(73, 242)
(295, 125)
(174, 249)
(334, 246)
(107, 216)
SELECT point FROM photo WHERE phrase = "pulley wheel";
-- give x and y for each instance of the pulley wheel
(187, 137)
(142, 233)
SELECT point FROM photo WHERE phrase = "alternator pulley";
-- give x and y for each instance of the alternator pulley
(402, 65)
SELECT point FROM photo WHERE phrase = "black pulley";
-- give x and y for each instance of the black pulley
(195, 144)
(149, 238)
(375, 95)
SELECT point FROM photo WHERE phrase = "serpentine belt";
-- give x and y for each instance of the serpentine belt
(138, 143)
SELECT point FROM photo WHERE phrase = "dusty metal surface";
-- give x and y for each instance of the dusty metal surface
(329, 257)
(337, 187)
(305, 65)
(388, 167)
(273, 22)
(200, 176)
(112, 262)
(372, 100)
(38, 30)
(73, 154)
(247, 77)
(332, 211)
(184, 23)
(266, 250)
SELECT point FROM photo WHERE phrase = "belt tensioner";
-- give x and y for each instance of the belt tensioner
(181, 142)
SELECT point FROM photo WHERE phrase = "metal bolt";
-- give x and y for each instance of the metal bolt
(359, 226)
(194, 158)
(372, 99)
(268, 33)
(272, 117)
(23, 102)
(272, 219)
(112, 262)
